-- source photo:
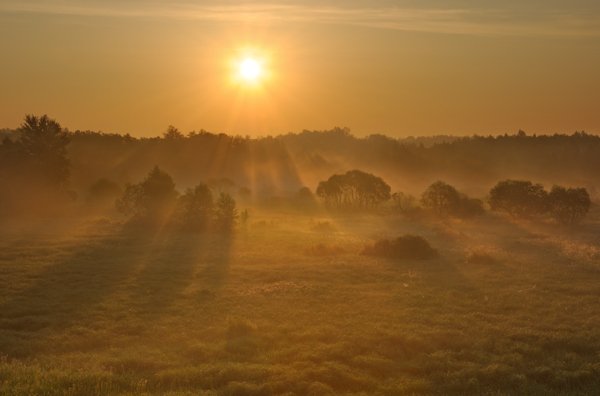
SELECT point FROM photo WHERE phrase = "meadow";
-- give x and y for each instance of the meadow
(287, 304)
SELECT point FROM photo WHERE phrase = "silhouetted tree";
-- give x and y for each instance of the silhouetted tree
(441, 197)
(173, 133)
(46, 142)
(34, 168)
(569, 205)
(42, 150)
(354, 189)
(195, 207)
(226, 213)
(152, 199)
(444, 199)
(519, 198)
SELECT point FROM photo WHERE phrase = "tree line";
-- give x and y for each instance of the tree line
(569, 158)
(43, 163)
(357, 190)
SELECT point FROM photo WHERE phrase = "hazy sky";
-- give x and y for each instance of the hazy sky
(394, 67)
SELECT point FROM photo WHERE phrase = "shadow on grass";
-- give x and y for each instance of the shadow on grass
(182, 259)
(216, 263)
(76, 290)
(69, 288)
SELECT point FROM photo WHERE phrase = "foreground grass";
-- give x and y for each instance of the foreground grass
(284, 307)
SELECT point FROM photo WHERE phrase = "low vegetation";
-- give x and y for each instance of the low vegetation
(404, 247)
(445, 200)
(233, 275)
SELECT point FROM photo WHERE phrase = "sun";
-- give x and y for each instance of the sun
(250, 70)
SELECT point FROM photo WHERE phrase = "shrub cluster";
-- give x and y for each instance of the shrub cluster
(155, 200)
(404, 247)
(521, 198)
(444, 199)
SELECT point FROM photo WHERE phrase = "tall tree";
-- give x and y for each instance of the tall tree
(43, 145)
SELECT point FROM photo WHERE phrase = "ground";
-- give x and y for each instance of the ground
(288, 305)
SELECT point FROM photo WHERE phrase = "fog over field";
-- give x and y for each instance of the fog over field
(299, 197)
(306, 263)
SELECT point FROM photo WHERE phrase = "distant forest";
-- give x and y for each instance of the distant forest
(280, 165)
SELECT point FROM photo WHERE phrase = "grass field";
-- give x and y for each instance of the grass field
(285, 306)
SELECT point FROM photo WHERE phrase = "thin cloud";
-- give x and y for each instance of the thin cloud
(450, 21)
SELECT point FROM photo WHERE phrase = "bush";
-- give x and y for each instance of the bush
(404, 247)
(445, 200)
(195, 208)
(519, 198)
(354, 190)
(569, 205)
(152, 199)
(441, 197)
(226, 214)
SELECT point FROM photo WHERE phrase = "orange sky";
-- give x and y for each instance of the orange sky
(394, 67)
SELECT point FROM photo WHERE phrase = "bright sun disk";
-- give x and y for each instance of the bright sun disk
(250, 69)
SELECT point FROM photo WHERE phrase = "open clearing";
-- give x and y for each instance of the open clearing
(287, 306)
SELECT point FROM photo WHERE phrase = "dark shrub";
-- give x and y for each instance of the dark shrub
(353, 190)
(404, 247)
(151, 200)
(519, 198)
(443, 199)
(569, 205)
(195, 208)
(226, 214)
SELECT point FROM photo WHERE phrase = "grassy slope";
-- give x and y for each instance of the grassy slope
(100, 311)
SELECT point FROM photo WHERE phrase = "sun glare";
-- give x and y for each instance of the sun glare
(250, 70)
